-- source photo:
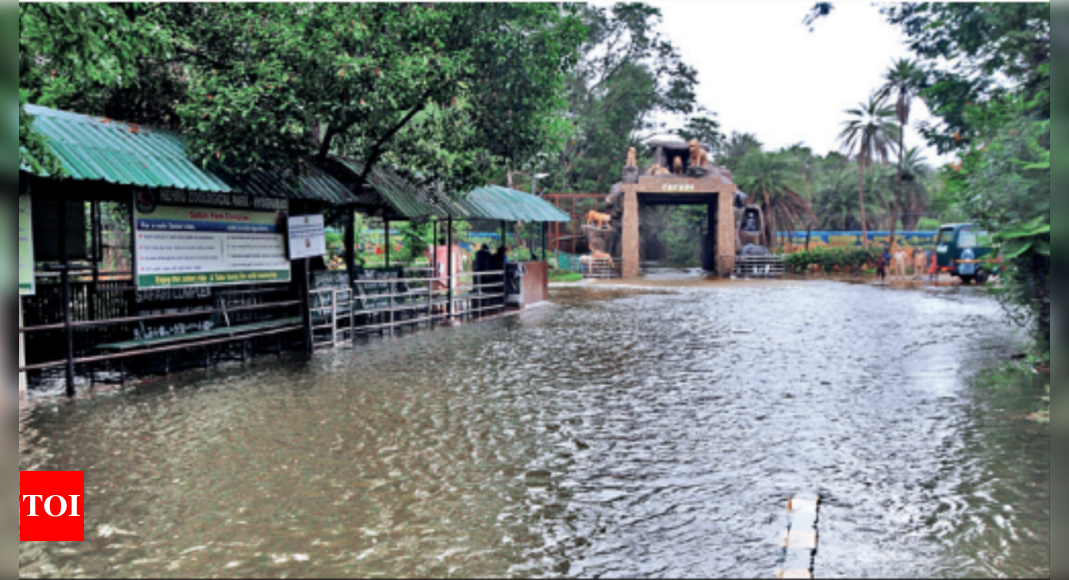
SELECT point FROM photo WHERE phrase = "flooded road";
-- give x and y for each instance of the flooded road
(618, 433)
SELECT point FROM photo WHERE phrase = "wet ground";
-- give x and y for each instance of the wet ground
(621, 432)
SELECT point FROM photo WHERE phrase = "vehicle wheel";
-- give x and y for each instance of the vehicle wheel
(966, 279)
(982, 276)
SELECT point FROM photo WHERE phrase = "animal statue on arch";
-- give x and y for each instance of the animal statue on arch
(698, 156)
(601, 220)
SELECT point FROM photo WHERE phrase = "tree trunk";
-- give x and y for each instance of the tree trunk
(861, 205)
(898, 184)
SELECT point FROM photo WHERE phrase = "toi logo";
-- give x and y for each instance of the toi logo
(51, 506)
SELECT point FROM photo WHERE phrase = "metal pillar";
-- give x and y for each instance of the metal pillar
(545, 242)
(350, 246)
(306, 307)
(449, 262)
(66, 281)
(387, 222)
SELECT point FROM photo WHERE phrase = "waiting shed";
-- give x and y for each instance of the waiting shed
(103, 316)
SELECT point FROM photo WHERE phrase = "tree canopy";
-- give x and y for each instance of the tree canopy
(628, 75)
(448, 90)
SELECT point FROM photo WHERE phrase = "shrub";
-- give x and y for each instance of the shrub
(833, 259)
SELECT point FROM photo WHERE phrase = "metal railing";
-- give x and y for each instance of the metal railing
(591, 267)
(601, 268)
(760, 266)
(385, 304)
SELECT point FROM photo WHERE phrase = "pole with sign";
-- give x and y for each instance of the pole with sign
(308, 237)
(307, 240)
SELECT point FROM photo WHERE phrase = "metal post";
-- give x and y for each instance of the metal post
(334, 319)
(96, 235)
(66, 276)
(545, 242)
(434, 266)
(350, 245)
(306, 307)
(387, 222)
(449, 265)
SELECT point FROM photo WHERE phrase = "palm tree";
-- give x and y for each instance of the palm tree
(904, 81)
(775, 176)
(916, 196)
(869, 134)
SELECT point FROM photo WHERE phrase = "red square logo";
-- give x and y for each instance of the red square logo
(51, 506)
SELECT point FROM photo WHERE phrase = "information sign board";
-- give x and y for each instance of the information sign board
(198, 246)
(26, 275)
(308, 237)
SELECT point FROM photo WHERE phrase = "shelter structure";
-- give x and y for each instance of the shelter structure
(137, 252)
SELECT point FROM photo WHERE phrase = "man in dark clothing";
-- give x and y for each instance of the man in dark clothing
(483, 261)
(881, 268)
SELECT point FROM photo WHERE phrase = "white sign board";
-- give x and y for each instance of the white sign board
(308, 237)
(197, 246)
(26, 276)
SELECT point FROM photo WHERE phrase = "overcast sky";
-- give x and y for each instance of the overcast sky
(763, 72)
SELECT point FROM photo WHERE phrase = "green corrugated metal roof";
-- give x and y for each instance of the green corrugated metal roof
(407, 199)
(313, 184)
(500, 203)
(95, 149)
(490, 203)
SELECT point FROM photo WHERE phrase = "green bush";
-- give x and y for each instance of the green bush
(833, 259)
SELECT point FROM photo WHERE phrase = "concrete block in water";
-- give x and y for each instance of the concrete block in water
(800, 540)
(802, 521)
(798, 505)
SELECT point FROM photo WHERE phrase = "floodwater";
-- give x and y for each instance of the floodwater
(617, 433)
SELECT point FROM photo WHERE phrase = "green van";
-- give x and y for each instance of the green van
(961, 251)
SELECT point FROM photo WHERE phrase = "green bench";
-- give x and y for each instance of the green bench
(225, 331)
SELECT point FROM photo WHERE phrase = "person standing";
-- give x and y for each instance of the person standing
(881, 267)
(933, 271)
(483, 264)
(920, 264)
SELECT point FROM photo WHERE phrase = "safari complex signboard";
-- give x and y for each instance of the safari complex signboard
(202, 246)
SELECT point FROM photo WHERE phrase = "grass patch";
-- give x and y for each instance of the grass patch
(564, 276)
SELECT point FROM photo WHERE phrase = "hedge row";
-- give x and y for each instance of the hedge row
(833, 259)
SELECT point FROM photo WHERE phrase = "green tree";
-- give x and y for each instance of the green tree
(278, 84)
(985, 41)
(76, 56)
(916, 190)
(777, 179)
(870, 134)
(836, 200)
(448, 90)
(737, 147)
(706, 129)
(903, 82)
(628, 73)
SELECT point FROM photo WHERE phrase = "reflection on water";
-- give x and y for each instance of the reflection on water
(618, 433)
